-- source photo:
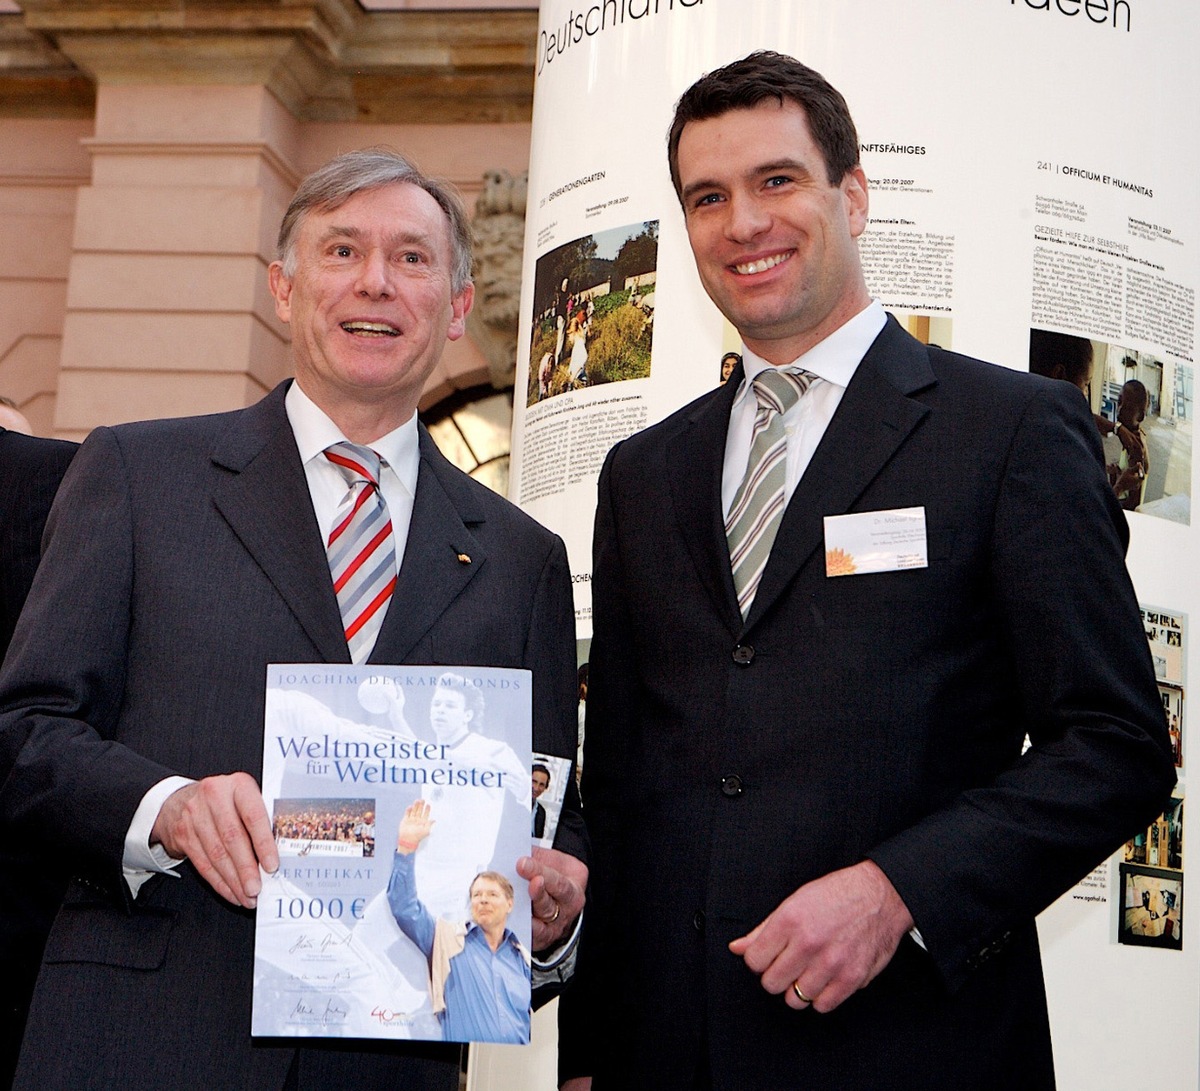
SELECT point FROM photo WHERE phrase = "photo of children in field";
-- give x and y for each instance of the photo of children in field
(593, 311)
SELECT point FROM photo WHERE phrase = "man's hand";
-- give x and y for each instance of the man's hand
(414, 827)
(557, 882)
(577, 1083)
(830, 938)
(220, 824)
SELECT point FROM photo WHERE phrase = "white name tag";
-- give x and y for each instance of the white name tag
(875, 541)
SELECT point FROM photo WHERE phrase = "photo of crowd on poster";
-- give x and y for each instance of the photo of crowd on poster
(323, 827)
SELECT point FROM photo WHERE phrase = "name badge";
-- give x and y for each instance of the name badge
(875, 541)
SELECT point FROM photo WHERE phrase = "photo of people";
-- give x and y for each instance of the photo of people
(455, 720)
(1142, 405)
(348, 753)
(479, 971)
(1161, 845)
(1172, 699)
(324, 827)
(1151, 908)
(470, 815)
(583, 649)
(1166, 633)
(550, 776)
(593, 311)
(729, 361)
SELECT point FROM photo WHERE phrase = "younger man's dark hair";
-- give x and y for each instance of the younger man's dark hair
(767, 75)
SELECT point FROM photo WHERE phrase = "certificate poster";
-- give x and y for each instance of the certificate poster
(400, 801)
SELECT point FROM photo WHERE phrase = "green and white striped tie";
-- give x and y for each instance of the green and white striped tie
(757, 509)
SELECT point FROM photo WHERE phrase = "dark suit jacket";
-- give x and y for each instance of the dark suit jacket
(30, 470)
(871, 716)
(183, 557)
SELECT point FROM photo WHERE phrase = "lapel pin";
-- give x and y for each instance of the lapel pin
(463, 559)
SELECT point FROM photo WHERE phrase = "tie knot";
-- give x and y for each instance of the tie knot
(779, 389)
(355, 463)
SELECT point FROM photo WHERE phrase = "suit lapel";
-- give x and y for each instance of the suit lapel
(264, 498)
(432, 574)
(696, 457)
(875, 417)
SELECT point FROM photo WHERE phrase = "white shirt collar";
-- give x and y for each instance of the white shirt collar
(837, 357)
(314, 432)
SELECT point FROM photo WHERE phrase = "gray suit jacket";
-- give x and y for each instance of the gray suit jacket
(183, 557)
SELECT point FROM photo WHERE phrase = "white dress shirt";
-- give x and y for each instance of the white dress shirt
(834, 362)
(314, 432)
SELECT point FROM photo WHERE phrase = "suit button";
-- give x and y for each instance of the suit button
(743, 655)
(698, 920)
(731, 785)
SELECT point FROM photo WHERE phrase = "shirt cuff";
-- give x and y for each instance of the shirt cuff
(559, 964)
(141, 859)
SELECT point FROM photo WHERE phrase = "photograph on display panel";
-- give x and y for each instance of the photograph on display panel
(1172, 700)
(1166, 634)
(1151, 883)
(1151, 907)
(1142, 405)
(1161, 844)
(593, 311)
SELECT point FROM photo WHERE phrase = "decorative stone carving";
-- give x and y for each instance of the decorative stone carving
(499, 230)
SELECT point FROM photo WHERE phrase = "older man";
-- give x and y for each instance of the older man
(319, 525)
(831, 598)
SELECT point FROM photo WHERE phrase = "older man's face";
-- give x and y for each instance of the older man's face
(370, 301)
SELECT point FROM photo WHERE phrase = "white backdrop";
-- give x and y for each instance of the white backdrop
(1033, 163)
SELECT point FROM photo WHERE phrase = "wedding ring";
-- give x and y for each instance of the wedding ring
(551, 920)
(800, 996)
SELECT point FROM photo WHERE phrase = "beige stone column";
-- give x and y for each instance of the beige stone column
(41, 166)
(167, 307)
(166, 311)
(192, 163)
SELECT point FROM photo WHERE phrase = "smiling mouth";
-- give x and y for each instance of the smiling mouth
(762, 264)
(370, 329)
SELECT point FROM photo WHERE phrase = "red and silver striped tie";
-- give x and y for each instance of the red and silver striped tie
(362, 551)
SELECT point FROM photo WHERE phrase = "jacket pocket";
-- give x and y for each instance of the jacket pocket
(91, 931)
